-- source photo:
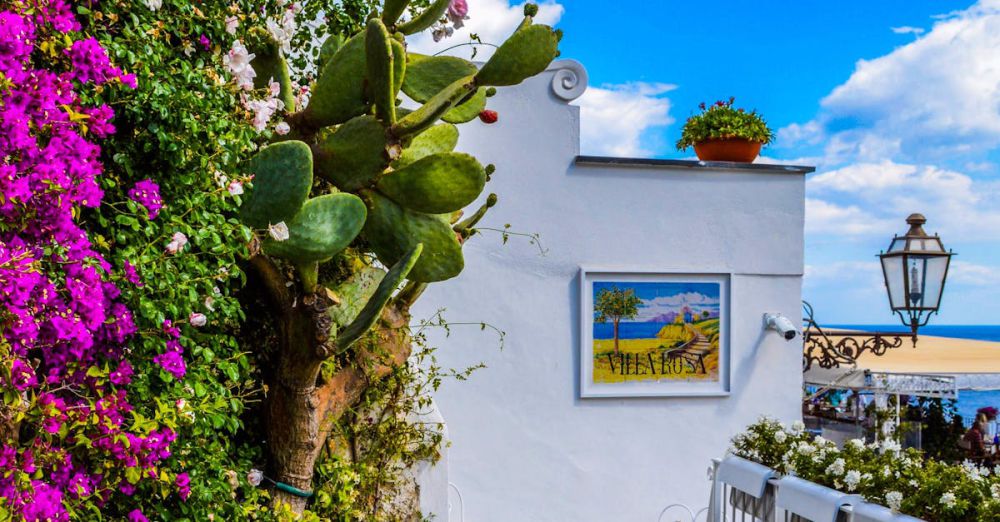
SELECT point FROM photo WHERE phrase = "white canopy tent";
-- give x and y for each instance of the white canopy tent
(877, 382)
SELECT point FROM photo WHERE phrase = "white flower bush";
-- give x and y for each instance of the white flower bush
(883, 473)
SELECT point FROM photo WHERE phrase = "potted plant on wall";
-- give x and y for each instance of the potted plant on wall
(725, 133)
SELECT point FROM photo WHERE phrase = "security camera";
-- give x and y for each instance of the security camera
(780, 324)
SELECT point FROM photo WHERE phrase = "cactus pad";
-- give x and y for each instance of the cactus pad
(354, 293)
(437, 184)
(429, 112)
(353, 154)
(467, 110)
(426, 18)
(439, 138)
(392, 10)
(282, 179)
(428, 75)
(526, 53)
(339, 93)
(373, 308)
(324, 227)
(379, 63)
(392, 231)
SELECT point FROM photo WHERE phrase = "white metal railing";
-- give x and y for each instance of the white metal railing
(745, 491)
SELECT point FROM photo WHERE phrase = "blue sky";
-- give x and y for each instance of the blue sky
(897, 104)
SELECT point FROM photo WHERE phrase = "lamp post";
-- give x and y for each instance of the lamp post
(915, 268)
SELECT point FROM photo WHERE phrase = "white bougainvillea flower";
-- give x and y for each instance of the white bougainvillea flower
(893, 500)
(153, 5)
(210, 303)
(180, 404)
(177, 242)
(283, 31)
(197, 319)
(262, 110)
(237, 61)
(273, 87)
(232, 22)
(221, 179)
(948, 500)
(278, 231)
(282, 128)
(235, 187)
(254, 477)
(852, 479)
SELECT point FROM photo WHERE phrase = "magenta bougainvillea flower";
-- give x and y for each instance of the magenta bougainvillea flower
(147, 194)
(61, 321)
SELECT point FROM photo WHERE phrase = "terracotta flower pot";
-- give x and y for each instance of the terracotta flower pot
(729, 149)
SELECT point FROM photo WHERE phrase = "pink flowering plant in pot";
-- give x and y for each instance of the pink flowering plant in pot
(723, 132)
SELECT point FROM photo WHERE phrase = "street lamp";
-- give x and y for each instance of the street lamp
(915, 268)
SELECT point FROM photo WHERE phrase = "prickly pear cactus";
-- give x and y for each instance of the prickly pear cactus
(364, 177)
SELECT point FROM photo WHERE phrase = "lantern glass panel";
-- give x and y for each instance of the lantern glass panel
(925, 278)
(893, 269)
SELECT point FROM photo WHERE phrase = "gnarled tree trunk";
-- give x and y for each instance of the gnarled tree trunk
(301, 406)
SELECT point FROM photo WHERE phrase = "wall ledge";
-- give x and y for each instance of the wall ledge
(604, 161)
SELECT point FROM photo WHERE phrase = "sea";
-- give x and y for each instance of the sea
(968, 400)
(627, 330)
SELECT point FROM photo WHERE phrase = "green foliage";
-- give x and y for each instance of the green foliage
(904, 480)
(185, 131)
(615, 304)
(722, 121)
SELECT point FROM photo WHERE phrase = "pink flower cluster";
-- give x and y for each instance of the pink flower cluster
(60, 318)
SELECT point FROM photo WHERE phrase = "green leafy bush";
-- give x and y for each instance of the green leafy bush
(723, 121)
(883, 473)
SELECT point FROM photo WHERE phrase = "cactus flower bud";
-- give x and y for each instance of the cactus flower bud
(530, 9)
(488, 116)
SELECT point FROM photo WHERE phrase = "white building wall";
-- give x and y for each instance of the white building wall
(525, 447)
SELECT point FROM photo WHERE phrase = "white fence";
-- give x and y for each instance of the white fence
(745, 491)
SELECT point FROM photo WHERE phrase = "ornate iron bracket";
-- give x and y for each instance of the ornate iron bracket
(831, 348)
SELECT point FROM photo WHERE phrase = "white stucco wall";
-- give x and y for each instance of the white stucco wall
(525, 447)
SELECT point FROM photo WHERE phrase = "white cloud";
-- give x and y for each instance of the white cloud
(824, 217)
(908, 29)
(679, 300)
(492, 20)
(936, 97)
(652, 308)
(882, 194)
(613, 118)
(965, 273)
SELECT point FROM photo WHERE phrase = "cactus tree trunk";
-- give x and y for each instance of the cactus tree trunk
(301, 406)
